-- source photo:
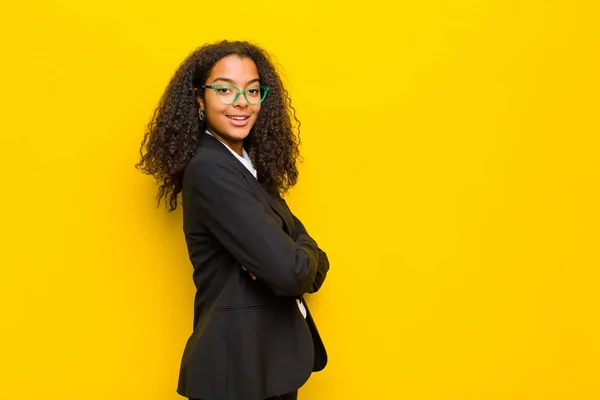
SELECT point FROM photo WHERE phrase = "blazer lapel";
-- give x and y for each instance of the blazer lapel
(277, 207)
(274, 203)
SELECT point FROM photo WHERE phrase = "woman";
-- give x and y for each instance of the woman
(223, 137)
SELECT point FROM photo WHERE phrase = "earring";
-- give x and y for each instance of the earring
(201, 114)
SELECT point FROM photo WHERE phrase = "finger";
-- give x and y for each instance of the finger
(250, 273)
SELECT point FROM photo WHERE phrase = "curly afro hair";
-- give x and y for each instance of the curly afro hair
(172, 135)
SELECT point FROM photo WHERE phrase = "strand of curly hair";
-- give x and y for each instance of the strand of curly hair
(172, 135)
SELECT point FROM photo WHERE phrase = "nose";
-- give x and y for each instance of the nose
(241, 101)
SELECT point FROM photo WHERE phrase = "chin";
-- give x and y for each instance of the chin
(233, 133)
(239, 134)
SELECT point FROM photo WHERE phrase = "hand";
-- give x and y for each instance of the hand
(250, 273)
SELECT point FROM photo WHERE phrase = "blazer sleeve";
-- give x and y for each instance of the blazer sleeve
(323, 261)
(322, 269)
(239, 221)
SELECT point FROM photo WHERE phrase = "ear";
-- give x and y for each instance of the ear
(199, 98)
(200, 102)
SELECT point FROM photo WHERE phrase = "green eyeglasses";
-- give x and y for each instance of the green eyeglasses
(228, 94)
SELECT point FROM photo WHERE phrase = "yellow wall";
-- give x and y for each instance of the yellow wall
(451, 173)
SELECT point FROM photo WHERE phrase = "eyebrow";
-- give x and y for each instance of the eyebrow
(232, 81)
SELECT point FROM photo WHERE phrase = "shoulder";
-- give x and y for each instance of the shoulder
(211, 167)
(206, 159)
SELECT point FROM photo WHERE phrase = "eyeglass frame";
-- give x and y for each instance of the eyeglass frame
(238, 92)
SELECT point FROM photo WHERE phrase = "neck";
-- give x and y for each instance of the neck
(237, 147)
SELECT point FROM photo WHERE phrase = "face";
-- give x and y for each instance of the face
(231, 123)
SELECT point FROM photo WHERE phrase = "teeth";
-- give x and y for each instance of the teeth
(238, 118)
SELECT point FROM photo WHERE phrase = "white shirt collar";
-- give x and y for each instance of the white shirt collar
(245, 160)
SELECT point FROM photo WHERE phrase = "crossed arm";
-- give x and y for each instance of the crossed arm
(322, 263)
(239, 221)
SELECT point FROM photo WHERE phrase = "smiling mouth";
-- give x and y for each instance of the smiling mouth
(238, 117)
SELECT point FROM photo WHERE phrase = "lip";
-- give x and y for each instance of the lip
(235, 122)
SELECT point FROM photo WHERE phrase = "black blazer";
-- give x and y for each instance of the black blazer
(250, 340)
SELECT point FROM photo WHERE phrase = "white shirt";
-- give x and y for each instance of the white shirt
(247, 162)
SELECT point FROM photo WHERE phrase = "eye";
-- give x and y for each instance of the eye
(223, 90)
(253, 92)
